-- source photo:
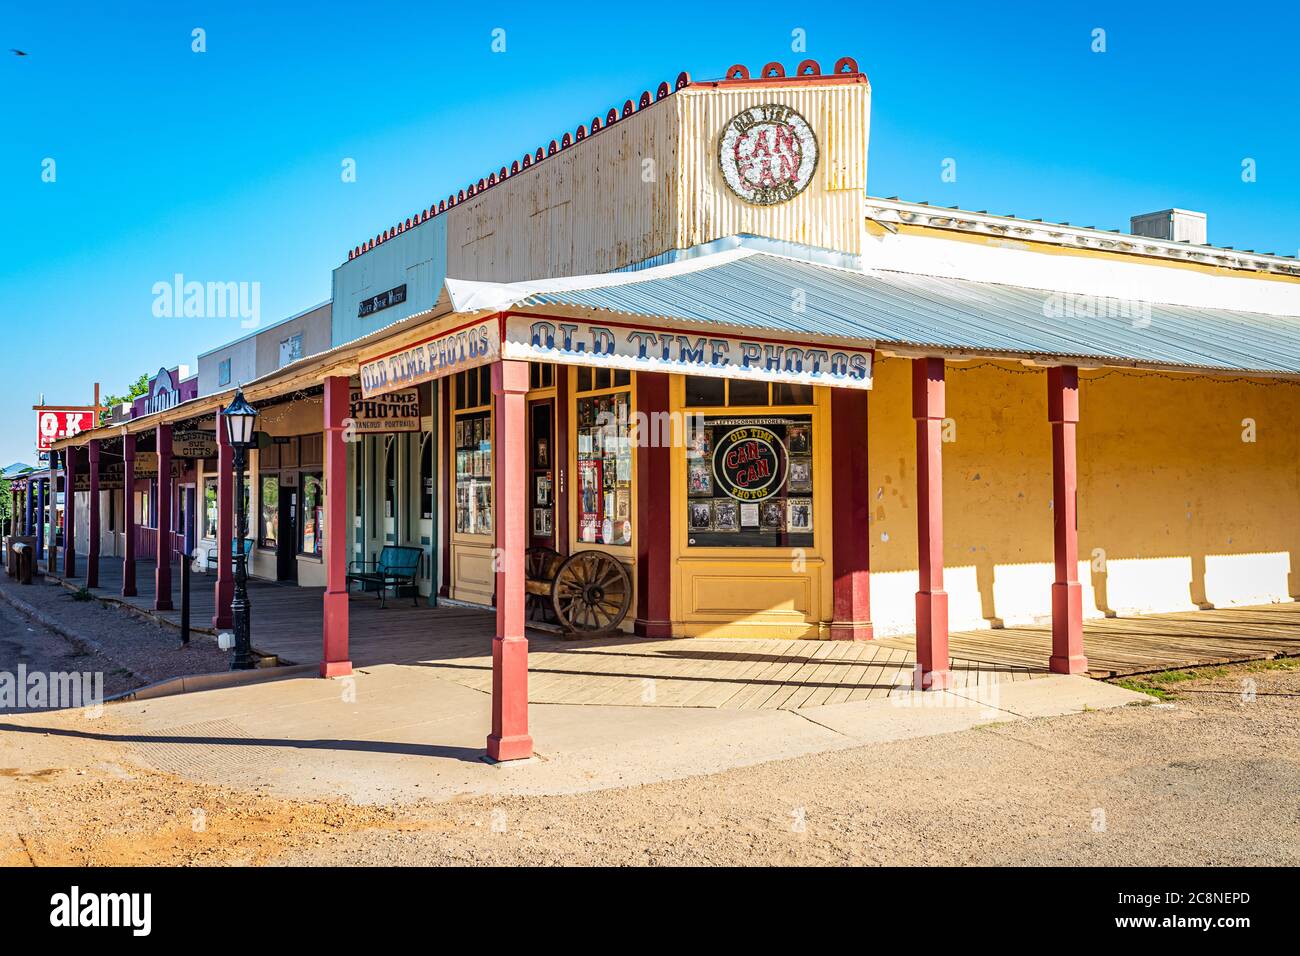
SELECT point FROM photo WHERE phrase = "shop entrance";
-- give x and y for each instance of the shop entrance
(286, 545)
(541, 473)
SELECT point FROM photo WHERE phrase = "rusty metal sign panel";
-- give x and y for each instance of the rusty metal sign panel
(768, 154)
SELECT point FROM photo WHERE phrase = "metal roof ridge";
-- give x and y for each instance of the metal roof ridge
(1106, 239)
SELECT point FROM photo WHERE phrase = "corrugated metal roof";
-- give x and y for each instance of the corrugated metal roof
(773, 293)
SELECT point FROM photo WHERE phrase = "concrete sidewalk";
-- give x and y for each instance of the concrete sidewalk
(397, 734)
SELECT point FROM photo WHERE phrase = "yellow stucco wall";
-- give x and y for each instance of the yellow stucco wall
(1180, 510)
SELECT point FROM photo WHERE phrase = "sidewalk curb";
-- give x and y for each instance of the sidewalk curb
(192, 683)
(167, 687)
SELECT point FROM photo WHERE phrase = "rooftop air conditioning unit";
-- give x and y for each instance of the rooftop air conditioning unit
(1176, 225)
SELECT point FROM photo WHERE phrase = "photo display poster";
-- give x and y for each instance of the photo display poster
(749, 482)
(604, 470)
(473, 438)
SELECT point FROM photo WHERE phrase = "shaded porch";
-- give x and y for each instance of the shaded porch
(729, 673)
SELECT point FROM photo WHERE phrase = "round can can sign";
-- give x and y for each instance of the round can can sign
(768, 154)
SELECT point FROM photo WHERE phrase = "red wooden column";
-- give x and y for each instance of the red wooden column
(92, 546)
(1067, 592)
(654, 617)
(850, 516)
(69, 512)
(128, 512)
(162, 575)
(932, 663)
(224, 589)
(509, 739)
(334, 654)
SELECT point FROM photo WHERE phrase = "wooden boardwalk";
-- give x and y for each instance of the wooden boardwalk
(455, 642)
(1120, 646)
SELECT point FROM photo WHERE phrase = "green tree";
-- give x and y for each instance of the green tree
(138, 388)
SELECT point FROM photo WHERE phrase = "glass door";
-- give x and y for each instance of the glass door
(541, 473)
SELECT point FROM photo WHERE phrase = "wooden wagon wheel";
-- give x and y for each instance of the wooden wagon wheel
(592, 592)
(539, 565)
(537, 560)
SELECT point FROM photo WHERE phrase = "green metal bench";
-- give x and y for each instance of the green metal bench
(211, 562)
(396, 568)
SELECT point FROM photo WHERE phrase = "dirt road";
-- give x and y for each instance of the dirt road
(1214, 779)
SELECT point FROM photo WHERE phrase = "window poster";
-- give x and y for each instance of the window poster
(590, 499)
(749, 482)
(798, 514)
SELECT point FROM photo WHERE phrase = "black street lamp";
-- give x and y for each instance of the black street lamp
(239, 418)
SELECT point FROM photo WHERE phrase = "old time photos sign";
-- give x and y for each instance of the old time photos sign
(656, 349)
(768, 154)
(432, 358)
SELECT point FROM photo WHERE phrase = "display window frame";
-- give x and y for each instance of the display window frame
(470, 412)
(261, 541)
(818, 489)
(625, 552)
(318, 476)
(211, 509)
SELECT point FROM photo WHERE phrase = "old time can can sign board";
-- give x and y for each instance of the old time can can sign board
(768, 154)
(749, 463)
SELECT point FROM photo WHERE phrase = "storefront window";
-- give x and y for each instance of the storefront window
(142, 509)
(604, 461)
(474, 473)
(541, 375)
(313, 514)
(749, 477)
(472, 439)
(268, 519)
(209, 508)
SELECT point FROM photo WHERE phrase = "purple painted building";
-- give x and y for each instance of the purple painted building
(168, 388)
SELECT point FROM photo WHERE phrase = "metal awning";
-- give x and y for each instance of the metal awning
(762, 291)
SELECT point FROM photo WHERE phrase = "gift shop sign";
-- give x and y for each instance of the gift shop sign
(55, 424)
(194, 444)
(651, 349)
(432, 358)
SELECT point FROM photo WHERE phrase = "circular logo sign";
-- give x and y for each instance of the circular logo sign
(749, 463)
(768, 154)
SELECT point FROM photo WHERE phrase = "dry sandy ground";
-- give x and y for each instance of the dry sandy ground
(1212, 780)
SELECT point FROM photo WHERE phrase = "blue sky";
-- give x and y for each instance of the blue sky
(224, 165)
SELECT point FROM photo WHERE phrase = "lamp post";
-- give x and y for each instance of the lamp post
(239, 418)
